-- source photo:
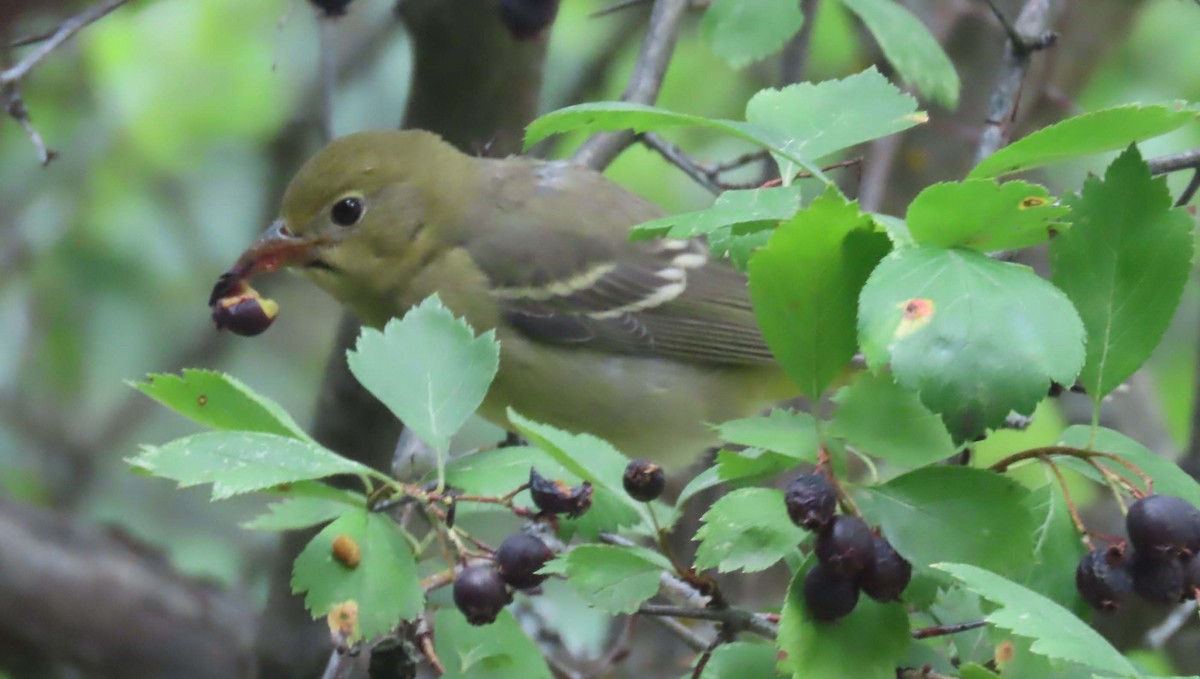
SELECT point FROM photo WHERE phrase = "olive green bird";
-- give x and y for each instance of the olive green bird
(640, 343)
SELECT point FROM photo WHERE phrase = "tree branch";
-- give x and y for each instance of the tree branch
(601, 149)
(1186, 160)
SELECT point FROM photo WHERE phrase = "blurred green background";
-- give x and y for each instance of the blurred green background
(178, 123)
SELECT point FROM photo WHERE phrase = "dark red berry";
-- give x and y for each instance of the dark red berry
(644, 480)
(811, 501)
(885, 578)
(1191, 577)
(331, 8)
(480, 593)
(827, 595)
(520, 557)
(242, 311)
(1161, 525)
(1157, 580)
(1102, 578)
(556, 497)
(526, 19)
(846, 546)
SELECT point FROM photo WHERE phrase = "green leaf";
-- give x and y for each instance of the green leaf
(385, 583)
(750, 466)
(1056, 632)
(814, 120)
(741, 660)
(428, 368)
(496, 651)
(706, 479)
(804, 285)
(1056, 546)
(1084, 135)
(908, 45)
(742, 31)
(747, 530)
(593, 460)
(241, 461)
(731, 208)
(1169, 479)
(219, 401)
(499, 471)
(876, 416)
(787, 432)
(983, 215)
(815, 649)
(1124, 263)
(973, 671)
(960, 513)
(977, 338)
(294, 513)
(613, 579)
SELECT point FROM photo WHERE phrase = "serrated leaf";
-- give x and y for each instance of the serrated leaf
(613, 579)
(1123, 263)
(747, 530)
(706, 479)
(876, 416)
(1056, 546)
(741, 660)
(804, 284)
(814, 120)
(1084, 135)
(294, 513)
(594, 460)
(787, 432)
(983, 215)
(219, 401)
(815, 649)
(385, 584)
(917, 56)
(428, 368)
(731, 208)
(976, 338)
(973, 671)
(500, 471)
(1055, 631)
(241, 461)
(1169, 479)
(960, 513)
(750, 466)
(500, 650)
(742, 31)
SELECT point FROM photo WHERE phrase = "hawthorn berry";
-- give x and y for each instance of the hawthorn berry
(828, 595)
(886, 576)
(811, 501)
(556, 497)
(644, 480)
(242, 311)
(520, 557)
(846, 546)
(1162, 525)
(1158, 580)
(480, 593)
(1102, 578)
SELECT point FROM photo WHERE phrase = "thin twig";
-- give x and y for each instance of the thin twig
(706, 655)
(644, 84)
(616, 7)
(679, 159)
(944, 630)
(328, 55)
(1029, 34)
(1189, 191)
(1186, 160)
(14, 106)
(1159, 635)
(737, 619)
(425, 642)
(1080, 527)
(65, 31)
(683, 633)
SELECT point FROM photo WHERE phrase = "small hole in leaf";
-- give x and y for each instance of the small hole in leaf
(202, 400)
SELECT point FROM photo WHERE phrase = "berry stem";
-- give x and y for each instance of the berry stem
(1071, 508)
(1002, 465)
(425, 640)
(944, 630)
(825, 464)
(1112, 479)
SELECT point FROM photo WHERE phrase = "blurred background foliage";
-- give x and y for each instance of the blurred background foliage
(178, 123)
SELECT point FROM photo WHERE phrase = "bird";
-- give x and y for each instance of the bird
(645, 344)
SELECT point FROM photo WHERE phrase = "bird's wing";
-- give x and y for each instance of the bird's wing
(575, 284)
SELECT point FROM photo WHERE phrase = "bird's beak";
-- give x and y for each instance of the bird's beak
(275, 249)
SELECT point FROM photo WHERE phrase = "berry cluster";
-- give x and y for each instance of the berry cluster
(850, 556)
(1157, 563)
(482, 590)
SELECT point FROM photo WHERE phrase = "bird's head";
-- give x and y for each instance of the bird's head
(362, 214)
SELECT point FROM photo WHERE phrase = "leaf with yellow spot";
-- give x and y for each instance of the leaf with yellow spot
(983, 215)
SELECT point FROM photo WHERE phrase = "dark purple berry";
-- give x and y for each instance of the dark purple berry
(1191, 577)
(827, 595)
(811, 501)
(244, 312)
(1161, 526)
(846, 546)
(520, 557)
(556, 497)
(480, 593)
(1160, 581)
(331, 8)
(885, 578)
(526, 19)
(1102, 578)
(644, 480)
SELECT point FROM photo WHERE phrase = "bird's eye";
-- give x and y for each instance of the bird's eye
(347, 211)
